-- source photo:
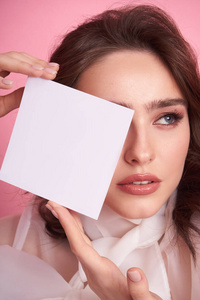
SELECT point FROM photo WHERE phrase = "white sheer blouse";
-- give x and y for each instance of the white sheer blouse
(36, 267)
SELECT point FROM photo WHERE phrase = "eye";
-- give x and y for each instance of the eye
(169, 119)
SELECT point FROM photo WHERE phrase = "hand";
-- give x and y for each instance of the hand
(25, 64)
(103, 276)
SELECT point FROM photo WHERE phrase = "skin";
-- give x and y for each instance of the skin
(157, 143)
(137, 80)
(25, 64)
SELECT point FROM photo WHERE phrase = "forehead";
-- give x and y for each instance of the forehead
(130, 77)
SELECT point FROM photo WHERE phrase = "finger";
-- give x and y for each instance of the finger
(27, 57)
(103, 276)
(10, 102)
(11, 59)
(80, 244)
(72, 226)
(27, 65)
(138, 285)
(77, 218)
(5, 83)
(48, 71)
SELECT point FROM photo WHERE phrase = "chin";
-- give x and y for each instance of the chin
(136, 209)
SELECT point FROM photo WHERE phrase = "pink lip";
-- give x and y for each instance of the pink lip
(144, 189)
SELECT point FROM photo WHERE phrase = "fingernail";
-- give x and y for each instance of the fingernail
(52, 211)
(52, 64)
(134, 276)
(51, 71)
(7, 81)
(37, 67)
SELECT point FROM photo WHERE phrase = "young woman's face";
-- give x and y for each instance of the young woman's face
(152, 160)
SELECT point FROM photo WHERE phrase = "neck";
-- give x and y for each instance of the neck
(111, 224)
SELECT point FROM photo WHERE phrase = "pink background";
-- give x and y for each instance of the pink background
(35, 26)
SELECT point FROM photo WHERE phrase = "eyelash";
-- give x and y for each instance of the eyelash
(177, 117)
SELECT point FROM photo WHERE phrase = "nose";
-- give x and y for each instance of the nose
(139, 147)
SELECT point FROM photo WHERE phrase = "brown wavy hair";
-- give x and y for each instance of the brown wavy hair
(142, 28)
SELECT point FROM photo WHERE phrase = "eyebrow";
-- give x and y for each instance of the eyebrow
(165, 103)
(155, 104)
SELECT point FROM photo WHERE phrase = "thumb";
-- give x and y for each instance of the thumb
(10, 101)
(138, 285)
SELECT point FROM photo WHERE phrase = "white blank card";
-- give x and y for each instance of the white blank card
(65, 145)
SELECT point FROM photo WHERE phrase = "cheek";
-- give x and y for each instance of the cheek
(175, 152)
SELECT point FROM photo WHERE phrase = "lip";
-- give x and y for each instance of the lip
(144, 189)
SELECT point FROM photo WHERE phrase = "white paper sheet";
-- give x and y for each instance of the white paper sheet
(65, 145)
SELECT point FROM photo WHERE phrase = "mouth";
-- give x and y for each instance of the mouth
(140, 184)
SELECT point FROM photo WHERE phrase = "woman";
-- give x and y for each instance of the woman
(149, 224)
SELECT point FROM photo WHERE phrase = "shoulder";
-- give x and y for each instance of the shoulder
(8, 226)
